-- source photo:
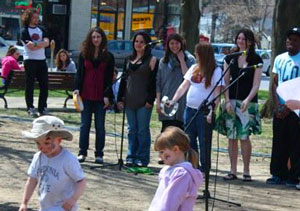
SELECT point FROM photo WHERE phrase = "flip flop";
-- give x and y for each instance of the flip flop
(247, 178)
(140, 170)
(230, 176)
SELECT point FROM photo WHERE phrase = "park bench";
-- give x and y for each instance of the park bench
(58, 81)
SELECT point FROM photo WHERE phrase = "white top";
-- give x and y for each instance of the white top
(36, 35)
(197, 91)
(57, 178)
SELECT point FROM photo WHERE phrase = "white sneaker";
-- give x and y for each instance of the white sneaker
(99, 160)
(81, 158)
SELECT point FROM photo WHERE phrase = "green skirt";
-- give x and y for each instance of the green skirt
(239, 125)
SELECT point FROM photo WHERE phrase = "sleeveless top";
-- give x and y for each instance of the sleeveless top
(137, 84)
(241, 89)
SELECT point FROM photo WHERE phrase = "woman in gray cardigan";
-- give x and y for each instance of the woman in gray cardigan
(171, 70)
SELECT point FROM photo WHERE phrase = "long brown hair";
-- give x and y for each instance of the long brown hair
(58, 62)
(88, 48)
(174, 136)
(250, 37)
(11, 50)
(206, 62)
(147, 50)
(26, 17)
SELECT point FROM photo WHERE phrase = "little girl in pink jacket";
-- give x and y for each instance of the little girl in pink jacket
(179, 181)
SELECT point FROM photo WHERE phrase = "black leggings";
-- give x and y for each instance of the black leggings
(36, 69)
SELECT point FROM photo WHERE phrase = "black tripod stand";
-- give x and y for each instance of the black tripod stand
(204, 108)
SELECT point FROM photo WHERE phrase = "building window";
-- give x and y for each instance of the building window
(109, 16)
(156, 17)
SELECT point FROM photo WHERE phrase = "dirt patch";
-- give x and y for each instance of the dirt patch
(110, 189)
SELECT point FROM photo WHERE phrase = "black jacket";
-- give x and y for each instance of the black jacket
(108, 76)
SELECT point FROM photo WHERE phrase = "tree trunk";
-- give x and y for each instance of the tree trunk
(190, 17)
(285, 16)
(214, 18)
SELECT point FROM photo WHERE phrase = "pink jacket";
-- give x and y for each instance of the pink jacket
(177, 189)
(9, 63)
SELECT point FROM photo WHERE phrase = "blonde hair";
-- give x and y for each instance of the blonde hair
(174, 136)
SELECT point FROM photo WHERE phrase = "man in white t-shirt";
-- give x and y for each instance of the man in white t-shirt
(35, 41)
(286, 127)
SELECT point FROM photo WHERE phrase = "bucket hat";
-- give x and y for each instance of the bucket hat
(47, 126)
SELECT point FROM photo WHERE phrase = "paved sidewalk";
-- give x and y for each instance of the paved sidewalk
(53, 102)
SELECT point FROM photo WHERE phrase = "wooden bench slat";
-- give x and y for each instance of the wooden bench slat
(56, 81)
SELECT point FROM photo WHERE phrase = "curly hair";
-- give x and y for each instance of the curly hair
(88, 48)
(168, 52)
(26, 17)
(58, 62)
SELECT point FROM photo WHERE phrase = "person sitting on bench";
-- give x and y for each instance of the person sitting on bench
(9, 63)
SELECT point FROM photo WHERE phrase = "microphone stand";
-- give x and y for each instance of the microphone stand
(120, 160)
(204, 107)
(125, 77)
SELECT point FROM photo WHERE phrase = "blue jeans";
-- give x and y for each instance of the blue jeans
(139, 139)
(91, 107)
(197, 130)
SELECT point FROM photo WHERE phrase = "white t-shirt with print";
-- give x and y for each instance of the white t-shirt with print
(197, 91)
(57, 178)
(36, 35)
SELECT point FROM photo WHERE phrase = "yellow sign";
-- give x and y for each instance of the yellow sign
(142, 21)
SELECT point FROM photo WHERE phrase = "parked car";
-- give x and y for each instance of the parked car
(121, 49)
(4, 45)
(220, 51)
(266, 57)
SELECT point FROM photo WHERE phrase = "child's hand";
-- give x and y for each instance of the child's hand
(23, 207)
(69, 204)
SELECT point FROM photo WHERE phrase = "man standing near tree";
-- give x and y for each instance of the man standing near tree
(286, 127)
(35, 41)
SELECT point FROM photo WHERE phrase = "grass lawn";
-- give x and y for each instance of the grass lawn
(261, 143)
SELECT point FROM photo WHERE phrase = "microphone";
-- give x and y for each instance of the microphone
(244, 53)
(153, 43)
(253, 67)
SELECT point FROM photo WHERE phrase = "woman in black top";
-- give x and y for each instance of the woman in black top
(242, 116)
(137, 91)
